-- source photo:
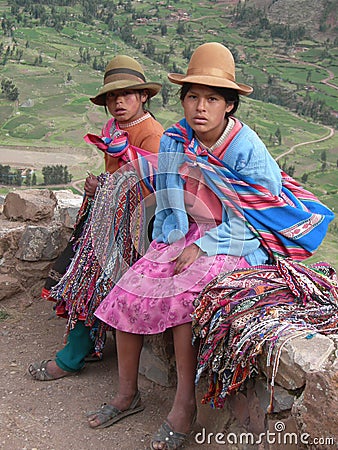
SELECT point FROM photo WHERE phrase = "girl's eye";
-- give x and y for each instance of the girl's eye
(212, 99)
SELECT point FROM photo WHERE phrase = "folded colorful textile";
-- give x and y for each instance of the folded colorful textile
(239, 312)
(112, 240)
(112, 235)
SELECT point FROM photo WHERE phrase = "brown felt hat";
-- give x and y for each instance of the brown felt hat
(123, 72)
(211, 64)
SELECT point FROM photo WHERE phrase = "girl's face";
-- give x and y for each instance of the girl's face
(205, 110)
(126, 105)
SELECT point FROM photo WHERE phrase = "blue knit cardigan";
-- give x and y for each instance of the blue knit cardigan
(246, 154)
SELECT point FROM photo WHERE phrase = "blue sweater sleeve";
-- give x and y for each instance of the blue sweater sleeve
(171, 220)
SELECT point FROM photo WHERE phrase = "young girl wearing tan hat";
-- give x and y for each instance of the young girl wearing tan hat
(205, 162)
(77, 281)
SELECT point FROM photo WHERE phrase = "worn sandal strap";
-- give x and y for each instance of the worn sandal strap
(172, 439)
(39, 371)
(107, 414)
(104, 411)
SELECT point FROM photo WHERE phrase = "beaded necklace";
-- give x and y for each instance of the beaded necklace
(221, 139)
(135, 122)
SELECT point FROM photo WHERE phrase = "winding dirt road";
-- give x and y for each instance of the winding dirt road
(324, 138)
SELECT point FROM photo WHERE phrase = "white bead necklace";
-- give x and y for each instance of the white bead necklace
(135, 122)
(222, 138)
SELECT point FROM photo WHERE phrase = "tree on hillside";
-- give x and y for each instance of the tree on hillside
(149, 49)
(56, 175)
(278, 135)
(28, 179)
(165, 92)
(18, 54)
(84, 55)
(99, 64)
(127, 34)
(4, 174)
(180, 28)
(38, 60)
(9, 89)
(164, 29)
(187, 52)
(17, 178)
(291, 170)
(286, 33)
(323, 156)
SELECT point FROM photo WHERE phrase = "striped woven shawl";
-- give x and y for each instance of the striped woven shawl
(292, 224)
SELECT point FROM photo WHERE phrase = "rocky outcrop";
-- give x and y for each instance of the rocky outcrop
(34, 228)
(35, 225)
(33, 205)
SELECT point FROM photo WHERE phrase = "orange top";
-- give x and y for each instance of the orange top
(146, 135)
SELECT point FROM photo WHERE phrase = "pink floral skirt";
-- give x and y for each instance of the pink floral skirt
(149, 298)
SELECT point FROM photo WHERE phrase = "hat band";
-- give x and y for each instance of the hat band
(211, 72)
(126, 72)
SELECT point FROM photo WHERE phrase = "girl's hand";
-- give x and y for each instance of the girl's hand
(187, 257)
(91, 185)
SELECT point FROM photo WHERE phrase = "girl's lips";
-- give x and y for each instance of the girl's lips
(200, 120)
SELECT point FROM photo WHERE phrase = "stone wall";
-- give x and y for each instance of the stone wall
(35, 226)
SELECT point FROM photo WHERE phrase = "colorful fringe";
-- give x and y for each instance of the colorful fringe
(112, 240)
(240, 312)
(62, 262)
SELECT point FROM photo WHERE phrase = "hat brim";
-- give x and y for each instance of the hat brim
(213, 81)
(99, 99)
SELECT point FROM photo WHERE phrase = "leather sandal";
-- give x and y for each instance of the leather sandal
(38, 370)
(107, 415)
(170, 439)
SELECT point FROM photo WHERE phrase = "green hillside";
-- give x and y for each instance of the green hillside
(53, 55)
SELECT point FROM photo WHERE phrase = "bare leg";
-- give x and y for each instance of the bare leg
(129, 348)
(183, 409)
(184, 405)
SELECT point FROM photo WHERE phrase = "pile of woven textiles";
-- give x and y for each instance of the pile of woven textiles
(240, 312)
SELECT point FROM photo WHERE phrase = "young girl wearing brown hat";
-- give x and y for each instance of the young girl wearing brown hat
(205, 162)
(131, 130)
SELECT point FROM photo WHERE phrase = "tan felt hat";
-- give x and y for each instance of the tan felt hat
(211, 64)
(123, 72)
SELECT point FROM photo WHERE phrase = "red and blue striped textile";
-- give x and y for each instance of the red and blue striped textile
(114, 141)
(292, 224)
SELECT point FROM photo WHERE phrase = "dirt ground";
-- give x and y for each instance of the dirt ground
(51, 415)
